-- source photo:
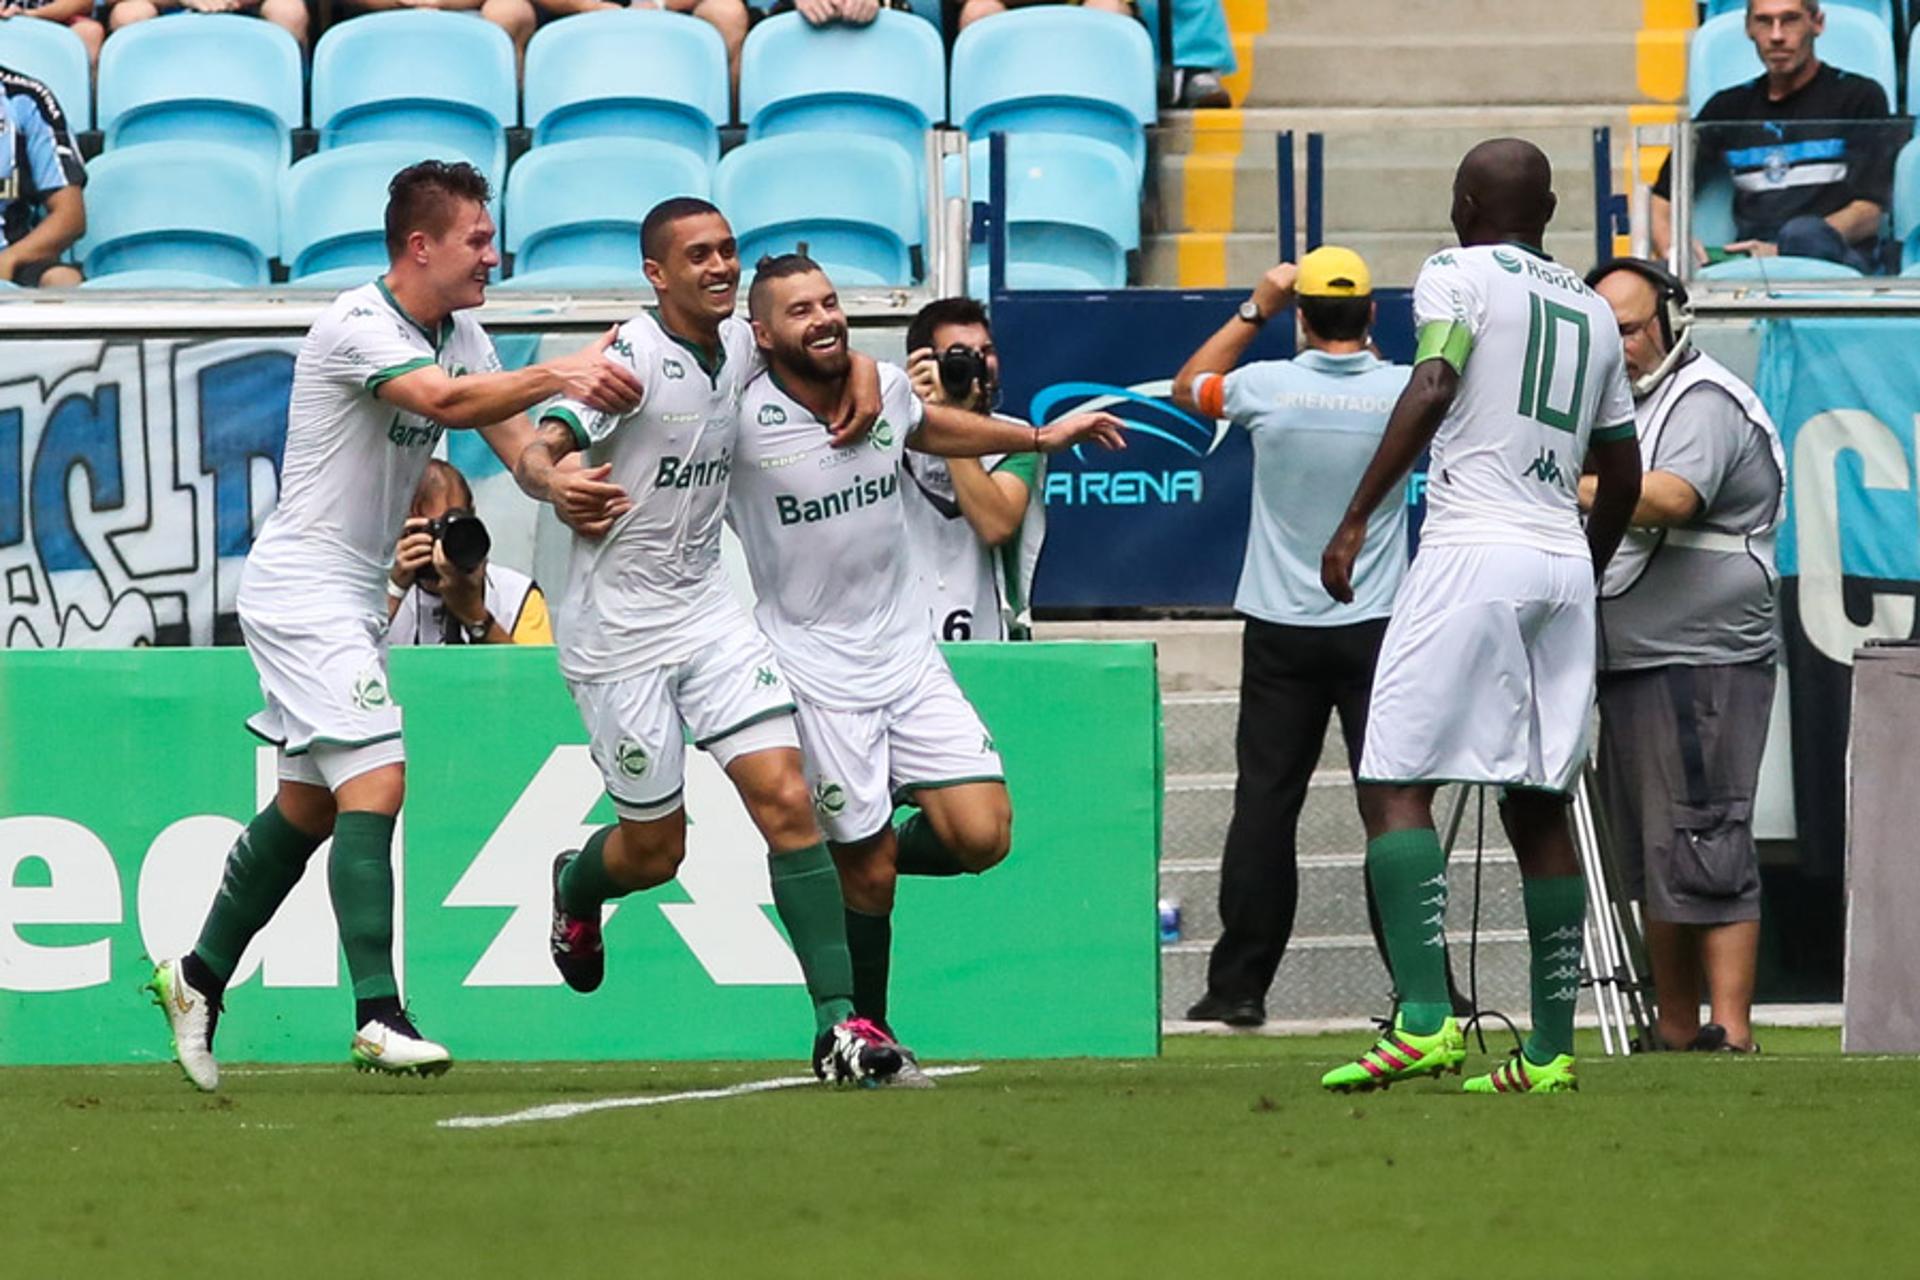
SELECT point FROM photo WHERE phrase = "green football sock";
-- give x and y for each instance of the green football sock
(870, 947)
(1409, 874)
(584, 883)
(1556, 908)
(360, 876)
(920, 850)
(262, 868)
(806, 896)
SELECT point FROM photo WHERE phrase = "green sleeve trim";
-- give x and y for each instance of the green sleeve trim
(1022, 466)
(561, 413)
(1448, 340)
(377, 380)
(784, 709)
(1616, 431)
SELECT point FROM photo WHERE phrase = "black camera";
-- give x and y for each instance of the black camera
(462, 537)
(961, 370)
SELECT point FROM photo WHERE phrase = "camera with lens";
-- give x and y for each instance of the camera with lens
(962, 370)
(462, 537)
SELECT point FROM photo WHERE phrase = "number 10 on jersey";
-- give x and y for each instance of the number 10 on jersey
(1549, 328)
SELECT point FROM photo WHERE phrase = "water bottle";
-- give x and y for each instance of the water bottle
(1169, 921)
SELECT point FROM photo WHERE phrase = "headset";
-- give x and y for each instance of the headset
(1674, 310)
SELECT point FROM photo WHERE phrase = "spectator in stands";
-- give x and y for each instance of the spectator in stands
(971, 11)
(819, 13)
(291, 14)
(1802, 185)
(728, 17)
(974, 525)
(1202, 50)
(42, 211)
(431, 600)
(1687, 660)
(76, 14)
(1314, 420)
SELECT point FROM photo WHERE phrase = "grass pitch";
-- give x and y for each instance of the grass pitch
(1222, 1158)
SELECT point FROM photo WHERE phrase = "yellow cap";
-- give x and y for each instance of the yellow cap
(1333, 272)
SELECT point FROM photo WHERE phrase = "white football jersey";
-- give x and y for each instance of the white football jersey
(826, 543)
(959, 576)
(352, 459)
(651, 592)
(1542, 377)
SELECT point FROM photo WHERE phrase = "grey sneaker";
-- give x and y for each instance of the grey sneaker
(1202, 89)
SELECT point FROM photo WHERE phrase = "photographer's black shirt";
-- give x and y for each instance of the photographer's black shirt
(1791, 158)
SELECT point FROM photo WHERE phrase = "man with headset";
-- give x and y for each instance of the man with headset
(1687, 659)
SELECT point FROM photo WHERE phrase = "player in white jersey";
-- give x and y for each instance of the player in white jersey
(824, 530)
(1486, 673)
(384, 372)
(655, 648)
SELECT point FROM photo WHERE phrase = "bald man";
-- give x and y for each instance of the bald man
(1486, 673)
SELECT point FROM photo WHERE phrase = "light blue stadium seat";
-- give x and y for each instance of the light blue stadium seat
(1056, 69)
(1721, 55)
(851, 199)
(1778, 269)
(418, 75)
(215, 78)
(142, 215)
(1881, 9)
(887, 80)
(333, 211)
(157, 280)
(1906, 204)
(628, 73)
(53, 55)
(574, 209)
(1713, 210)
(1073, 212)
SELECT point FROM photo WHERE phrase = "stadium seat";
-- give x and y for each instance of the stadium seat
(212, 78)
(1778, 269)
(1057, 69)
(574, 209)
(1881, 9)
(629, 73)
(1713, 211)
(333, 212)
(157, 280)
(1073, 212)
(1906, 204)
(443, 79)
(887, 80)
(53, 55)
(850, 199)
(142, 217)
(1722, 56)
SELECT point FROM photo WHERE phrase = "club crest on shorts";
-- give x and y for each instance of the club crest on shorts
(370, 690)
(830, 799)
(631, 757)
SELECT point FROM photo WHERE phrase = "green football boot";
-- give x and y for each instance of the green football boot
(1517, 1075)
(1400, 1055)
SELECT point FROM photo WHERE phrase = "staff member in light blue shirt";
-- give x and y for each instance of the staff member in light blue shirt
(1316, 420)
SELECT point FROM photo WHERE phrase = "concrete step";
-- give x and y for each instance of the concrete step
(1451, 66)
(1198, 808)
(1394, 257)
(1192, 656)
(1411, 17)
(1343, 978)
(1199, 731)
(1405, 131)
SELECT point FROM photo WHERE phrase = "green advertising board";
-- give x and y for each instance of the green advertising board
(125, 775)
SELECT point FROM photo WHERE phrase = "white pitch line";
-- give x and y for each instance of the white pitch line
(567, 1110)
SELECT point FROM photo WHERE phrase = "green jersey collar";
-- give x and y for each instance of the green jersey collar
(709, 364)
(446, 326)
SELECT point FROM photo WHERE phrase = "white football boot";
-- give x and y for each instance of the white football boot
(191, 1016)
(398, 1050)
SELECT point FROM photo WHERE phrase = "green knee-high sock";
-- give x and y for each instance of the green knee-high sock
(585, 884)
(360, 876)
(870, 947)
(262, 868)
(1409, 874)
(920, 850)
(806, 895)
(1556, 906)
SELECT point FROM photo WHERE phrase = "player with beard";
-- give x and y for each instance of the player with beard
(655, 648)
(825, 535)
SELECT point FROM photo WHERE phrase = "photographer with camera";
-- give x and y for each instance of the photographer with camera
(442, 590)
(974, 525)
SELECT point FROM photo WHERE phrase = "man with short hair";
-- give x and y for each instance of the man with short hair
(42, 210)
(975, 524)
(1486, 672)
(1687, 660)
(881, 719)
(1805, 184)
(433, 599)
(656, 650)
(385, 371)
(1315, 421)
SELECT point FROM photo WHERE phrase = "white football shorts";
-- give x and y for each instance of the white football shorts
(324, 680)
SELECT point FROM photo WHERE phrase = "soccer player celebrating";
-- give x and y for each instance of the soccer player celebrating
(654, 645)
(1486, 672)
(384, 372)
(826, 541)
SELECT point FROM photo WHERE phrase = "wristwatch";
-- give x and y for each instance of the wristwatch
(1251, 313)
(477, 631)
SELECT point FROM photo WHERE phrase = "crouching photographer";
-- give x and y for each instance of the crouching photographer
(974, 525)
(442, 590)
(1687, 660)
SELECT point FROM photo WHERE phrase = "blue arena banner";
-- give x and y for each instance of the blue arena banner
(1162, 523)
(1844, 394)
